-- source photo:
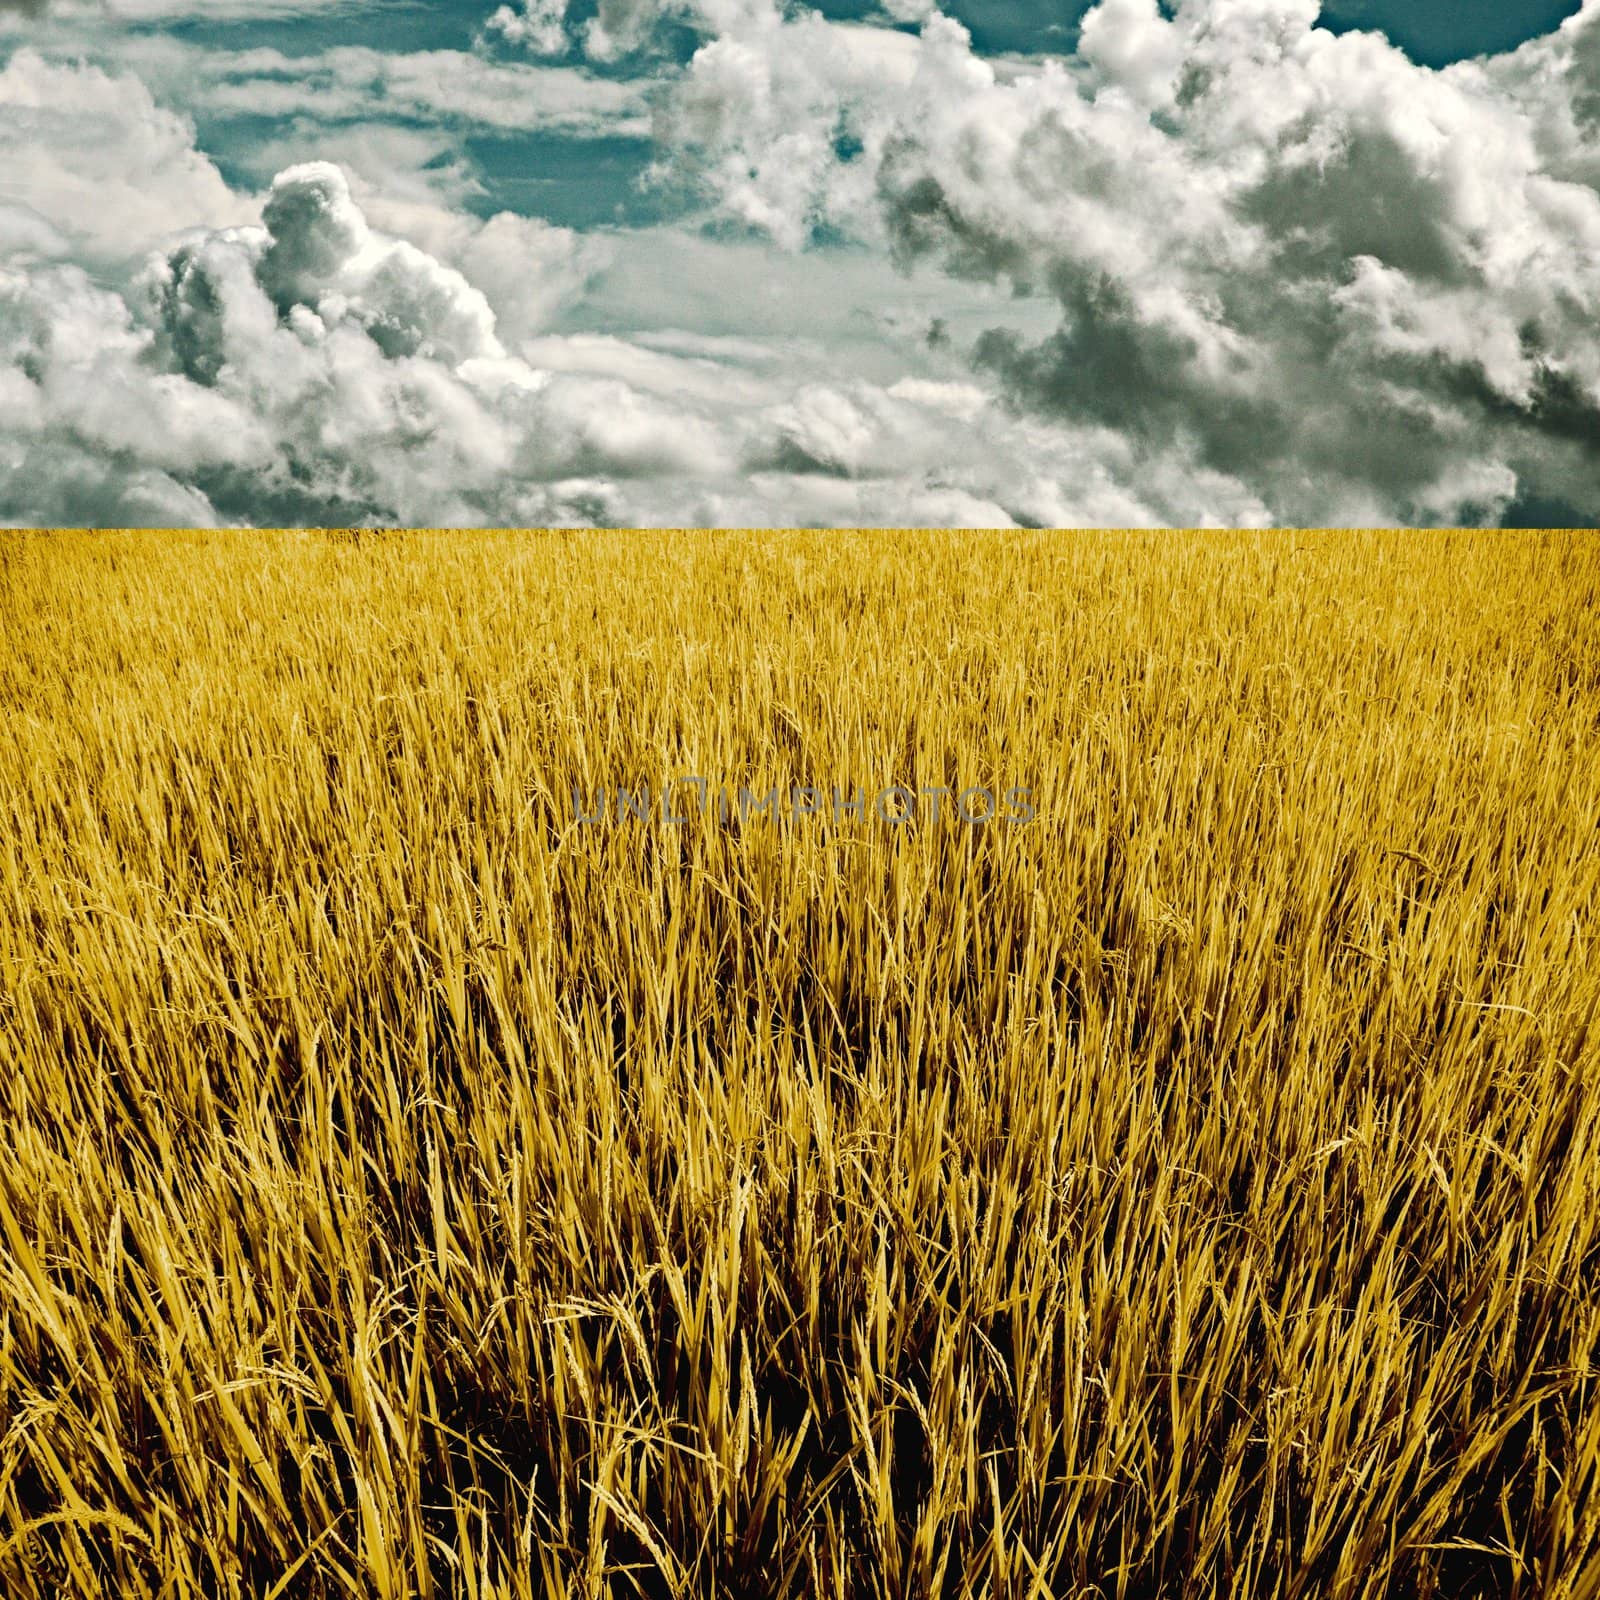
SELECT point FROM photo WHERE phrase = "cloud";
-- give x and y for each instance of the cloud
(92, 160)
(308, 369)
(621, 28)
(762, 114)
(1363, 289)
(100, 12)
(313, 368)
(540, 25)
(1219, 266)
(355, 84)
(330, 352)
(528, 270)
(88, 435)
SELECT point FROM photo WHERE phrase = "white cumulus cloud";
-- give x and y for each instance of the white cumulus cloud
(1363, 289)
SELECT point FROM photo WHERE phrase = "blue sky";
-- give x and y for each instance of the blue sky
(1233, 261)
(1437, 32)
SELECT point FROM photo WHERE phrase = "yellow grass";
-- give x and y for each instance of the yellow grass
(406, 1190)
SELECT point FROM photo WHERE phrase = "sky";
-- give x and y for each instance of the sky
(739, 262)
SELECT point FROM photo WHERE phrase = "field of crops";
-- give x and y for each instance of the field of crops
(410, 1188)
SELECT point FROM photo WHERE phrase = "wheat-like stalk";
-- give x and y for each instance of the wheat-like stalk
(409, 1190)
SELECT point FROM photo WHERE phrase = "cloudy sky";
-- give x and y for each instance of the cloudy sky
(689, 262)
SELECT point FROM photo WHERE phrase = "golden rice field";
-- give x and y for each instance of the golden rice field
(409, 1189)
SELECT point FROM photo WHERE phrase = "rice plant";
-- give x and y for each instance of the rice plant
(411, 1188)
